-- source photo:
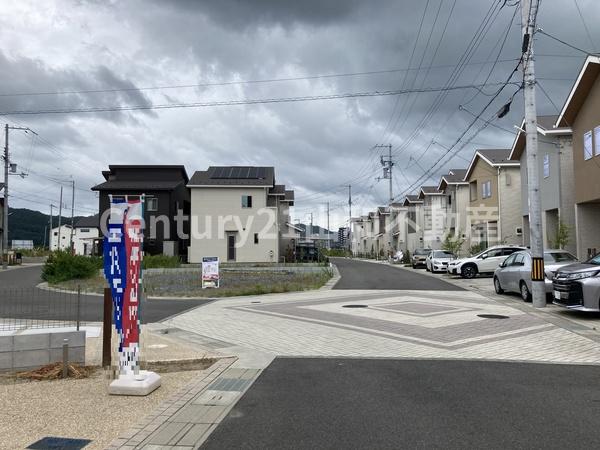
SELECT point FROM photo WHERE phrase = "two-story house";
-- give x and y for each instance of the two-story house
(399, 225)
(557, 184)
(239, 214)
(581, 113)
(434, 215)
(414, 222)
(494, 214)
(456, 190)
(167, 203)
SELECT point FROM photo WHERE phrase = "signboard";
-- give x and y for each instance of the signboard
(122, 269)
(210, 272)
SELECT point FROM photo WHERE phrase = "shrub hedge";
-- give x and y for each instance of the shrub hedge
(63, 266)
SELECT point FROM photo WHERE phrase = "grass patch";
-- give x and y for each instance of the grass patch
(234, 283)
(161, 262)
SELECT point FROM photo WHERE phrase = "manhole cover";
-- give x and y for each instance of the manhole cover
(60, 443)
(354, 306)
(492, 316)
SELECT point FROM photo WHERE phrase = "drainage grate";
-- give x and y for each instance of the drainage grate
(492, 316)
(229, 384)
(354, 306)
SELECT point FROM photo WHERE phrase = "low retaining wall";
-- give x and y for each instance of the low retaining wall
(35, 348)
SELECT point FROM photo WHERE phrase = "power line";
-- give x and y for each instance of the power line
(240, 102)
(540, 30)
(587, 31)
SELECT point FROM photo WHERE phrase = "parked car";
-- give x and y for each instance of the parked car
(419, 256)
(485, 262)
(577, 286)
(514, 274)
(437, 260)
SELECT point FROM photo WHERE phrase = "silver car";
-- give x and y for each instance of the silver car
(514, 274)
(577, 286)
(437, 261)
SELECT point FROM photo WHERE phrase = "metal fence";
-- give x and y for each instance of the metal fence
(23, 308)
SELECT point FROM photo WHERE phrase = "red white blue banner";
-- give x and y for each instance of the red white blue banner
(122, 269)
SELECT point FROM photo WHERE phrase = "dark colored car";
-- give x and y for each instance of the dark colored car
(419, 257)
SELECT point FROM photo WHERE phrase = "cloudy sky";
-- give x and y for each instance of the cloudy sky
(76, 55)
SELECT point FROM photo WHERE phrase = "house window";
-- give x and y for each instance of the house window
(56, 233)
(473, 190)
(152, 203)
(508, 179)
(597, 141)
(587, 145)
(546, 165)
(246, 201)
(486, 189)
(256, 238)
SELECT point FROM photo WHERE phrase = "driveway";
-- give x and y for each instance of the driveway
(21, 299)
(391, 404)
(366, 275)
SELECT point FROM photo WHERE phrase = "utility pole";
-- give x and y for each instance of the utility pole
(72, 216)
(387, 164)
(51, 228)
(328, 231)
(529, 9)
(59, 218)
(5, 209)
(349, 186)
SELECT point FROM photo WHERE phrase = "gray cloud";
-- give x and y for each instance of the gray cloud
(315, 146)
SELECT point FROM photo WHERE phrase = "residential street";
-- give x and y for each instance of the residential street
(365, 275)
(19, 285)
(391, 404)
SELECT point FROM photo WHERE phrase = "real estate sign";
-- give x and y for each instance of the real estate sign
(210, 272)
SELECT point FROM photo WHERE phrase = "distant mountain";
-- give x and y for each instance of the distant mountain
(27, 224)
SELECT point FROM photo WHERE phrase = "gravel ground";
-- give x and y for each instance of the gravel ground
(72, 408)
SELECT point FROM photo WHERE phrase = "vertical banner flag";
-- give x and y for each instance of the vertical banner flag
(122, 269)
(210, 272)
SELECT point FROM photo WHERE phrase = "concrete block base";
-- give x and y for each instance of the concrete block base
(139, 385)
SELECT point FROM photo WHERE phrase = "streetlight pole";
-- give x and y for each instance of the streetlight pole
(5, 208)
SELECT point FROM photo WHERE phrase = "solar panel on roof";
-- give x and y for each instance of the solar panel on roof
(236, 172)
(253, 172)
(261, 172)
(217, 172)
(246, 172)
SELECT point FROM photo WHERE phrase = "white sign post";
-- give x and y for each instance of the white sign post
(210, 272)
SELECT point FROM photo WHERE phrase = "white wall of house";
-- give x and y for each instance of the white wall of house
(83, 240)
(588, 236)
(434, 220)
(65, 235)
(217, 212)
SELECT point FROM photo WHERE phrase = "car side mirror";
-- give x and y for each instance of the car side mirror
(503, 265)
(483, 256)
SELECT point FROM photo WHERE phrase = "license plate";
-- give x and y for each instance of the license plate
(557, 295)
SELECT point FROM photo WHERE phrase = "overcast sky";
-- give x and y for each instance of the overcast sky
(125, 47)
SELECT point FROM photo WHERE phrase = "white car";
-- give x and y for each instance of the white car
(485, 262)
(437, 260)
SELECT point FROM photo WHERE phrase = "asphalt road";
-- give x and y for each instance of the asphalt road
(392, 404)
(366, 275)
(20, 299)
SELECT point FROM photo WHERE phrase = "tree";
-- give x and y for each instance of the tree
(452, 244)
(562, 235)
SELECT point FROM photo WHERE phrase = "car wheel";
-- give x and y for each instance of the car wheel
(497, 286)
(525, 294)
(414, 266)
(469, 271)
(426, 267)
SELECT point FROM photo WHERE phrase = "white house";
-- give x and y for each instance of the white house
(239, 214)
(85, 235)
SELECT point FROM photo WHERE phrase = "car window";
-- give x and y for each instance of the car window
(509, 260)
(595, 260)
(519, 259)
(510, 251)
(558, 257)
(494, 253)
(441, 254)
